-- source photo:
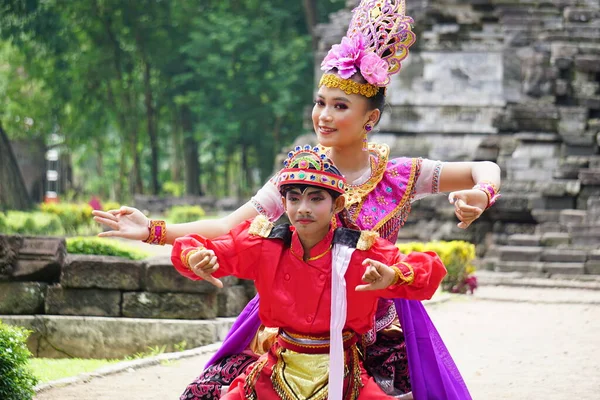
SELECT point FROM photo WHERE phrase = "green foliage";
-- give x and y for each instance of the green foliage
(457, 256)
(151, 351)
(132, 85)
(173, 188)
(3, 223)
(73, 217)
(110, 205)
(179, 214)
(103, 247)
(30, 223)
(17, 381)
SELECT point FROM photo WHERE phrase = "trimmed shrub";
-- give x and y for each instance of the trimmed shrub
(457, 256)
(17, 381)
(179, 214)
(72, 216)
(3, 223)
(31, 223)
(175, 189)
(103, 247)
(110, 205)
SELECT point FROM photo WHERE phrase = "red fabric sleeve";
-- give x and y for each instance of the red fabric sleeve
(427, 267)
(237, 252)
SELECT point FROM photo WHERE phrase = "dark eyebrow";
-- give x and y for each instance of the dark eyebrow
(344, 99)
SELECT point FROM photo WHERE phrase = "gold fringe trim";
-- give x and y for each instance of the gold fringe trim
(252, 377)
(366, 240)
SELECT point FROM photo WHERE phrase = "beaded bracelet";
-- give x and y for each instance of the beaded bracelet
(490, 190)
(157, 232)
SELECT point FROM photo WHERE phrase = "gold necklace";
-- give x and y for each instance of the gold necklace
(310, 258)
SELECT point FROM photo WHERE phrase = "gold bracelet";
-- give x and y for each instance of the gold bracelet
(411, 277)
(186, 254)
(397, 275)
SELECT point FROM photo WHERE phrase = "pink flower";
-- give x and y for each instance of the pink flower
(345, 57)
(374, 69)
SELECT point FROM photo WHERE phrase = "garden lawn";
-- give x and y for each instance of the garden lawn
(50, 369)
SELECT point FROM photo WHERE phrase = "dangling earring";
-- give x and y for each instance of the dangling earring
(365, 143)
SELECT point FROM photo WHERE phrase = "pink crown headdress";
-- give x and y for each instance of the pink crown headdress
(375, 44)
(306, 165)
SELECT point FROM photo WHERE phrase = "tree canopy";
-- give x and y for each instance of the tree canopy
(149, 95)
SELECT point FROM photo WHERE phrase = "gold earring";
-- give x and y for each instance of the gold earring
(365, 142)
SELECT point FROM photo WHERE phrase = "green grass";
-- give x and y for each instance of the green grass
(50, 369)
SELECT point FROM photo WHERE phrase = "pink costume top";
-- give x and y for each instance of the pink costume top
(378, 201)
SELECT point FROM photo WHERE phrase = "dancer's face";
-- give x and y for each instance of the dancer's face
(339, 118)
(311, 210)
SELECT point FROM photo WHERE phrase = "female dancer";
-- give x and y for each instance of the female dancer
(404, 353)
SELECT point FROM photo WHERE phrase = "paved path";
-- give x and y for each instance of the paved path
(509, 343)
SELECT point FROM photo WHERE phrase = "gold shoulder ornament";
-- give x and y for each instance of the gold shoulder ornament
(366, 240)
(261, 226)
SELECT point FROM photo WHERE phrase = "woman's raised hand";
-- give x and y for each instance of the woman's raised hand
(126, 222)
(468, 205)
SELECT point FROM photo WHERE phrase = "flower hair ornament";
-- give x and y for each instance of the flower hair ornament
(375, 44)
(307, 165)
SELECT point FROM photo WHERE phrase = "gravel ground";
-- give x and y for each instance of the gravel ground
(509, 343)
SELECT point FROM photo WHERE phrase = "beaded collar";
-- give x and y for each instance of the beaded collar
(379, 154)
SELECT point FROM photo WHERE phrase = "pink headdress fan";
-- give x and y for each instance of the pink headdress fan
(376, 42)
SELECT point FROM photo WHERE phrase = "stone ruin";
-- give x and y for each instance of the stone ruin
(108, 307)
(518, 83)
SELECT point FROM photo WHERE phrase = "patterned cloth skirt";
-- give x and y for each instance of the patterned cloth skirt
(385, 360)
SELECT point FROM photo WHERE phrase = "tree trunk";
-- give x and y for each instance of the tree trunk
(310, 12)
(190, 154)
(176, 148)
(152, 130)
(13, 193)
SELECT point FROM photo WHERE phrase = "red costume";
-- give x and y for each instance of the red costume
(296, 295)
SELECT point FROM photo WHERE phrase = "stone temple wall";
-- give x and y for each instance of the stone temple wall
(515, 82)
(108, 307)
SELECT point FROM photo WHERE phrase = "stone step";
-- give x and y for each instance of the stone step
(592, 267)
(549, 227)
(590, 176)
(488, 278)
(524, 240)
(572, 217)
(543, 215)
(542, 269)
(532, 268)
(553, 239)
(564, 255)
(519, 253)
(572, 268)
(588, 239)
